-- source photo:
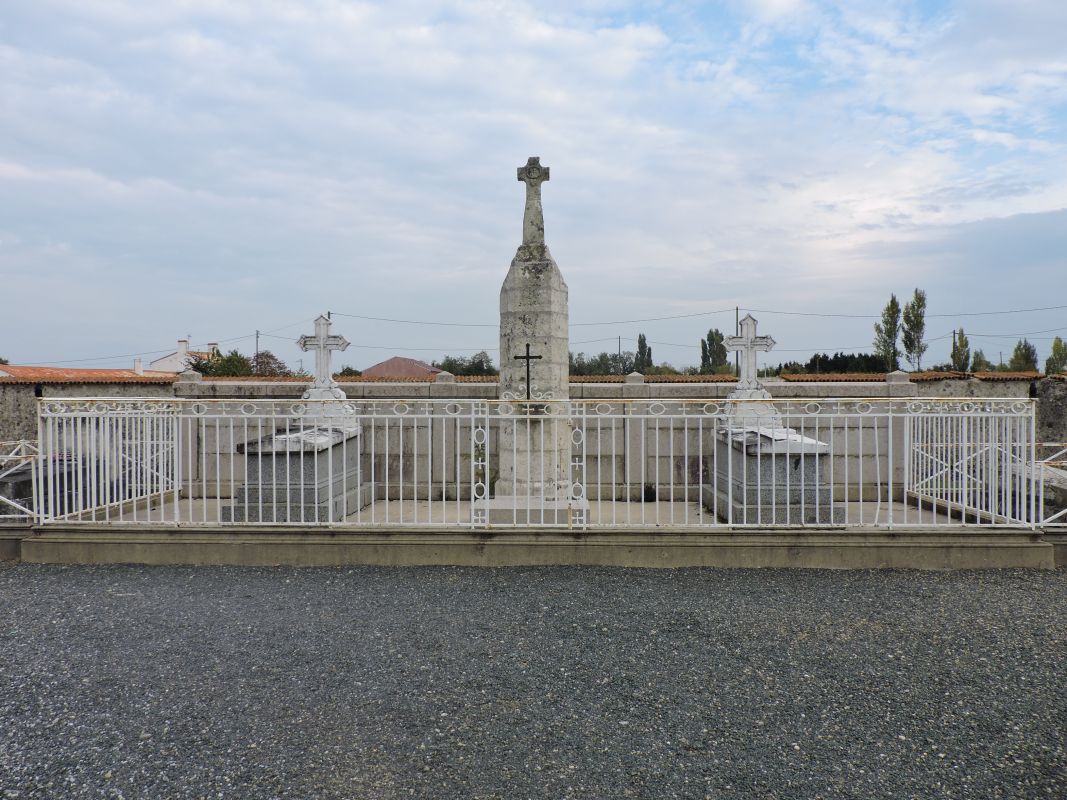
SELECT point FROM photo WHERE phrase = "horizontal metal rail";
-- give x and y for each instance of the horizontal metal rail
(662, 463)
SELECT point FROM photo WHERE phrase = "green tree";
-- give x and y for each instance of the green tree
(961, 352)
(980, 363)
(914, 329)
(231, 365)
(643, 359)
(4, 361)
(349, 372)
(713, 355)
(602, 364)
(886, 334)
(478, 364)
(1057, 360)
(1024, 357)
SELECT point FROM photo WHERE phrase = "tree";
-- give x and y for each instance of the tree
(4, 361)
(602, 364)
(914, 329)
(266, 363)
(886, 333)
(1023, 358)
(980, 363)
(961, 352)
(838, 362)
(231, 365)
(478, 364)
(1057, 360)
(349, 372)
(713, 355)
(643, 359)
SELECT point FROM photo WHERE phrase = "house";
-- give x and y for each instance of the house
(180, 360)
(400, 367)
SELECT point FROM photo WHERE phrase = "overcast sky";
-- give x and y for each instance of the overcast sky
(210, 168)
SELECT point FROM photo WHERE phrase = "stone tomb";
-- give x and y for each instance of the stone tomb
(314, 474)
(765, 472)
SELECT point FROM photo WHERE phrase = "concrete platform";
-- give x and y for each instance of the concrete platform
(963, 548)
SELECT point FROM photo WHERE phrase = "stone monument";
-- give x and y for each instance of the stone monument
(765, 472)
(313, 473)
(533, 480)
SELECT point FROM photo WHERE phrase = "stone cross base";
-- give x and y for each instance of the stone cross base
(777, 477)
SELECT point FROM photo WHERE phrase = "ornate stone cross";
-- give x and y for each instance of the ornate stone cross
(528, 358)
(533, 218)
(748, 344)
(322, 342)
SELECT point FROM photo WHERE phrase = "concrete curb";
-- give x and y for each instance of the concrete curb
(268, 546)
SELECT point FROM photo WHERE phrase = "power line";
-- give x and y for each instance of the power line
(701, 314)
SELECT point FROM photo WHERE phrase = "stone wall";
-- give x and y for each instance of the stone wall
(18, 401)
(1052, 411)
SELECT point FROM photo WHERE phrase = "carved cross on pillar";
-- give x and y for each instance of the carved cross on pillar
(527, 358)
(322, 343)
(748, 343)
(533, 219)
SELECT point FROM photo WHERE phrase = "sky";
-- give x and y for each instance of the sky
(210, 168)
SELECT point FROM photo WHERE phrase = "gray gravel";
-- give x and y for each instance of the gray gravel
(140, 682)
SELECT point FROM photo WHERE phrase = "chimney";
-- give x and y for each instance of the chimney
(213, 347)
(183, 347)
(138, 366)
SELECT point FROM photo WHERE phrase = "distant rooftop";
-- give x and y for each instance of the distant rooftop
(27, 374)
(401, 367)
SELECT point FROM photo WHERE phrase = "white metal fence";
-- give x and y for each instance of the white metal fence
(18, 462)
(1051, 475)
(599, 464)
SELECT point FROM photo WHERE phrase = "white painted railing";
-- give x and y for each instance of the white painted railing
(18, 462)
(1051, 475)
(595, 464)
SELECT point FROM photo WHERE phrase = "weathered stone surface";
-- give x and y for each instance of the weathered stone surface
(317, 475)
(322, 342)
(753, 486)
(535, 451)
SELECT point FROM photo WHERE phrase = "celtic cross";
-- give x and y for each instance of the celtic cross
(533, 218)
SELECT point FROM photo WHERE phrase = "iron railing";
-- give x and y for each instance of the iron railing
(588, 463)
(18, 463)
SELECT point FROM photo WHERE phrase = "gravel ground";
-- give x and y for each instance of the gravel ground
(149, 682)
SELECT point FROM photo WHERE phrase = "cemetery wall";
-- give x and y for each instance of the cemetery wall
(18, 401)
(1052, 411)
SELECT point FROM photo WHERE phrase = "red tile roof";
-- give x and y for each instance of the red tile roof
(836, 377)
(1008, 376)
(655, 379)
(27, 374)
(950, 375)
(400, 367)
(260, 378)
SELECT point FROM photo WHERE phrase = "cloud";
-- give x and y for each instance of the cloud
(232, 166)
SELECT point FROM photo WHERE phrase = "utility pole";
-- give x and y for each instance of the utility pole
(621, 370)
(256, 360)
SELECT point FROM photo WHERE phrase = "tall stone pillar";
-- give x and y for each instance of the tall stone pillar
(535, 438)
